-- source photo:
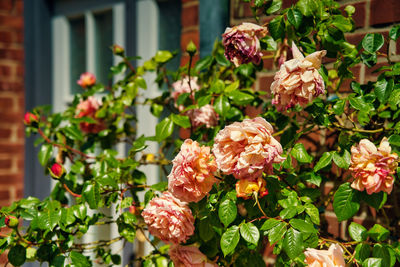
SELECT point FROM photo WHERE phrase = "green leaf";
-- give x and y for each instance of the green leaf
(227, 212)
(313, 212)
(372, 42)
(362, 251)
(204, 230)
(268, 43)
(293, 243)
(276, 28)
(204, 100)
(342, 160)
(141, 82)
(80, 211)
(45, 154)
(221, 105)
(79, 260)
(221, 60)
(274, 7)
(91, 193)
(306, 7)
(338, 107)
(181, 120)
(288, 213)
(380, 251)
(163, 56)
(383, 89)
(164, 129)
(394, 32)
(73, 132)
(359, 103)
(294, 17)
(378, 233)
(250, 233)
(67, 216)
(375, 200)
(372, 262)
(300, 153)
(394, 140)
(324, 161)
(161, 186)
(269, 224)
(241, 98)
(17, 255)
(232, 87)
(203, 63)
(346, 202)
(342, 23)
(229, 240)
(357, 232)
(156, 109)
(277, 232)
(303, 226)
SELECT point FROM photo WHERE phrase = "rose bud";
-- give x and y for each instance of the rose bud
(11, 221)
(191, 48)
(29, 118)
(132, 209)
(86, 80)
(118, 50)
(56, 171)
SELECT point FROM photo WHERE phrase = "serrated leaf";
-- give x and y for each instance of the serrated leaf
(342, 160)
(378, 233)
(276, 28)
(294, 17)
(227, 212)
(229, 240)
(73, 132)
(79, 260)
(375, 200)
(181, 120)
(380, 251)
(277, 232)
(383, 89)
(372, 262)
(303, 226)
(324, 161)
(163, 56)
(274, 7)
(362, 251)
(17, 255)
(221, 105)
(269, 224)
(221, 60)
(203, 63)
(164, 129)
(240, 98)
(394, 32)
(293, 243)
(250, 233)
(338, 107)
(288, 213)
(79, 211)
(357, 232)
(91, 193)
(346, 202)
(45, 153)
(67, 216)
(300, 153)
(372, 42)
(204, 100)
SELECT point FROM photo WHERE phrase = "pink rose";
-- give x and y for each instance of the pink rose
(205, 115)
(169, 219)
(246, 149)
(184, 256)
(242, 43)
(88, 108)
(298, 80)
(192, 174)
(86, 80)
(245, 188)
(373, 168)
(183, 86)
(325, 258)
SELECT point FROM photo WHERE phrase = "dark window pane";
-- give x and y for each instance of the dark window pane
(77, 51)
(103, 41)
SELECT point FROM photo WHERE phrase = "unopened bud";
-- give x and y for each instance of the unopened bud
(29, 118)
(191, 48)
(118, 50)
(56, 171)
(132, 209)
(11, 221)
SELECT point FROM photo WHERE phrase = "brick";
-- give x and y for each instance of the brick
(5, 163)
(186, 37)
(187, 1)
(5, 70)
(14, 22)
(4, 194)
(11, 86)
(332, 224)
(264, 83)
(384, 12)
(241, 10)
(10, 53)
(185, 60)
(6, 5)
(5, 133)
(269, 64)
(6, 37)
(288, 3)
(11, 148)
(355, 38)
(6, 103)
(20, 70)
(190, 16)
(345, 87)
(11, 178)
(370, 75)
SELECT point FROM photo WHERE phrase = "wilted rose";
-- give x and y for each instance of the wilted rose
(86, 80)
(205, 115)
(183, 86)
(373, 168)
(192, 174)
(324, 258)
(298, 80)
(88, 108)
(169, 219)
(245, 188)
(184, 256)
(246, 149)
(242, 43)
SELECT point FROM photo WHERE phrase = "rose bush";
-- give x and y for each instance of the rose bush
(259, 171)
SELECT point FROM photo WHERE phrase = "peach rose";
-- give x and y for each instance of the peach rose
(246, 149)
(192, 174)
(88, 108)
(184, 256)
(298, 80)
(169, 219)
(373, 168)
(86, 80)
(183, 86)
(242, 43)
(333, 257)
(205, 115)
(246, 187)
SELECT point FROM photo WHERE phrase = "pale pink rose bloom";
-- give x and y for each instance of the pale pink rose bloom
(205, 115)
(298, 80)
(192, 174)
(183, 86)
(169, 219)
(88, 108)
(185, 256)
(242, 43)
(246, 149)
(372, 167)
(86, 80)
(333, 257)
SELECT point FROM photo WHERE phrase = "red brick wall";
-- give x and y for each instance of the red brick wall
(190, 27)
(11, 101)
